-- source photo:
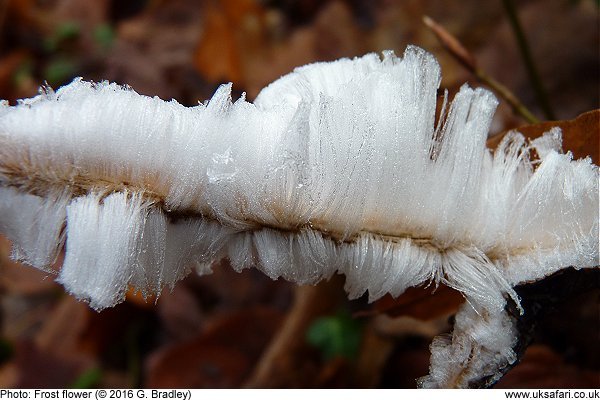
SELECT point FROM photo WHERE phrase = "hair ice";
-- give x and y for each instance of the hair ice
(335, 168)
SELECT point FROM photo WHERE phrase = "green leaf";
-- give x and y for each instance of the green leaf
(63, 32)
(22, 73)
(336, 336)
(104, 35)
(89, 379)
(59, 70)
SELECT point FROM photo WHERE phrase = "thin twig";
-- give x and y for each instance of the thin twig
(507, 95)
(280, 364)
(534, 76)
(462, 55)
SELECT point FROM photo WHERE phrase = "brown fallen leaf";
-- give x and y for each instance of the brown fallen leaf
(581, 135)
(180, 313)
(22, 279)
(9, 375)
(38, 368)
(63, 326)
(153, 52)
(231, 29)
(541, 367)
(424, 303)
(220, 357)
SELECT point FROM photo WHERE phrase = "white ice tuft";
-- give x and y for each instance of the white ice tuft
(34, 225)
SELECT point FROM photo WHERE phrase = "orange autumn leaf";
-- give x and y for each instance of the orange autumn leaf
(580, 135)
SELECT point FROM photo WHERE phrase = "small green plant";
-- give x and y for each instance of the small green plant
(336, 336)
(89, 379)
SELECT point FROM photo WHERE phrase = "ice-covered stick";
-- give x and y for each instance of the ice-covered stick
(335, 168)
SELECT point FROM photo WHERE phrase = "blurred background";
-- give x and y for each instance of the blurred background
(234, 330)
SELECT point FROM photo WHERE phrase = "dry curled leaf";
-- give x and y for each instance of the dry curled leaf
(580, 135)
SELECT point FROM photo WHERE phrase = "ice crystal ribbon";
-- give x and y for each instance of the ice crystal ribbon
(335, 168)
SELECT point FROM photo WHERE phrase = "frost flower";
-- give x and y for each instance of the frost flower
(335, 168)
